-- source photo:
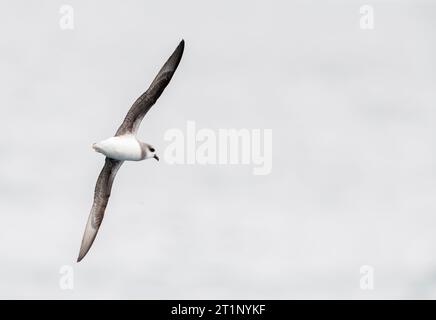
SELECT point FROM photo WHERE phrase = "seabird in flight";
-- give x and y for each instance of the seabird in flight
(124, 146)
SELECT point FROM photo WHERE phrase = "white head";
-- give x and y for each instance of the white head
(148, 151)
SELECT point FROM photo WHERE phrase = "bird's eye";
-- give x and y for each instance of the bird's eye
(151, 149)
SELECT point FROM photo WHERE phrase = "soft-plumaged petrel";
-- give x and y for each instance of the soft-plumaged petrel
(124, 146)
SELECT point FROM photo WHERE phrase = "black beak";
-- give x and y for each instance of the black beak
(156, 157)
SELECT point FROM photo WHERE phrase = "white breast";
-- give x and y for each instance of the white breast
(123, 148)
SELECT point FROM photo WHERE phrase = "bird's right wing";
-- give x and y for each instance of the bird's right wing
(101, 197)
(148, 98)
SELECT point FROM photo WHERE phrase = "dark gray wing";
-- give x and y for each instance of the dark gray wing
(147, 100)
(101, 197)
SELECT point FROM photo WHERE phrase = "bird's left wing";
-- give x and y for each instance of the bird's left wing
(148, 98)
(101, 197)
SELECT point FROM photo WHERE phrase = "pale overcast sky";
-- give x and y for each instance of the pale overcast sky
(353, 170)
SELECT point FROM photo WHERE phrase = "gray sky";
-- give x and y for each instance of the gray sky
(352, 182)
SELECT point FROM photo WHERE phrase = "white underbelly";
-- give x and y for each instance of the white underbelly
(120, 148)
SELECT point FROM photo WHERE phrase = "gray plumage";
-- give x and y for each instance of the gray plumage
(130, 125)
(148, 99)
(102, 193)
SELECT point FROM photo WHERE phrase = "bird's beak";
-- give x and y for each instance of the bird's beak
(156, 157)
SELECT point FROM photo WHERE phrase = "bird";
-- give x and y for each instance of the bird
(125, 146)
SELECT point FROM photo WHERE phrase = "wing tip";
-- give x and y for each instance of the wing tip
(82, 254)
(180, 48)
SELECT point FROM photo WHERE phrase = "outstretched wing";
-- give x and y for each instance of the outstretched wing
(101, 197)
(147, 100)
